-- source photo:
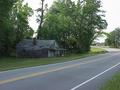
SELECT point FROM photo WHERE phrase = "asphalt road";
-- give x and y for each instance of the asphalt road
(89, 73)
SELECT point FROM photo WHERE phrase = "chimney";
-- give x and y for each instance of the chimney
(34, 41)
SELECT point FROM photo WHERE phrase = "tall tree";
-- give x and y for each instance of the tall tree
(19, 17)
(13, 24)
(73, 25)
(90, 22)
(40, 18)
(5, 25)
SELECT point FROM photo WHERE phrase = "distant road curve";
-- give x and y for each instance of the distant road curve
(108, 49)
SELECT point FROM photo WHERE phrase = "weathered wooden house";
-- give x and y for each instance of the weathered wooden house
(38, 48)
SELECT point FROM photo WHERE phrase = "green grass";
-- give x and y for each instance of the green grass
(113, 84)
(9, 63)
(97, 50)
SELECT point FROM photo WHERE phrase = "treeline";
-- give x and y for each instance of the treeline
(73, 24)
(113, 38)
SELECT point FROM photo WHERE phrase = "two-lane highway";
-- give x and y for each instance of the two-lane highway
(85, 74)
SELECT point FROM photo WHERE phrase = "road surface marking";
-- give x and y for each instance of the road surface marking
(48, 71)
(56, 63)
(87, 81)
(42, 73)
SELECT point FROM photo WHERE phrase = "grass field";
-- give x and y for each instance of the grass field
(9, 63)
(113, 84)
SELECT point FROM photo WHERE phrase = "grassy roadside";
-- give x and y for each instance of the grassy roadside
(113, 84)
(9, 63)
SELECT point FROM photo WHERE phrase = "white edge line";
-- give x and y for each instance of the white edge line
(76, 87)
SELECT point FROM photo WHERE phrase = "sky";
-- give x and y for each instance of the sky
(35, 4)
(111, 7)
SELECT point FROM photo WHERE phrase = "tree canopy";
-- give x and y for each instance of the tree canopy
(113, 39)
(5, 8)
(13, 24)
(74, 25)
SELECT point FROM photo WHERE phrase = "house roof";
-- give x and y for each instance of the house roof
(40, 44)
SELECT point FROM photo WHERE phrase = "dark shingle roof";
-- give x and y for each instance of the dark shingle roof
(28, 44)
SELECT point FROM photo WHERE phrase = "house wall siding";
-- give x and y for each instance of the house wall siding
(33, 53)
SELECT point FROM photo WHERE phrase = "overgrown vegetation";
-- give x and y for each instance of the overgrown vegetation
(73, 24)
(5, 26)
(113, 84)
(13, 24)
(15, 63)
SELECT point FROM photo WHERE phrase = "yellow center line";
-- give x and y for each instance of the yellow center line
(44, 72)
